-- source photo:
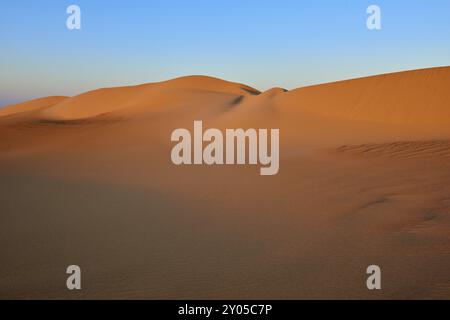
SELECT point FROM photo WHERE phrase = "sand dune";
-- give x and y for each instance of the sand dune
(32, 105)
(364, 179)
(412, 98)
(150, 96)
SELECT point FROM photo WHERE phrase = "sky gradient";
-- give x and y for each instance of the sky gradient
(257, 42)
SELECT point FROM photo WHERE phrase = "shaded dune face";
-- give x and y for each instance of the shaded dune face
(364, 179)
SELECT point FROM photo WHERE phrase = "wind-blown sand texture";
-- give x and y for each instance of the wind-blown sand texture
(364, 179)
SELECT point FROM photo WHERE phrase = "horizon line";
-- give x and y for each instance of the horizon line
(226, 80)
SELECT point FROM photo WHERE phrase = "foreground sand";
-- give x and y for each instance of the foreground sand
(364, 179)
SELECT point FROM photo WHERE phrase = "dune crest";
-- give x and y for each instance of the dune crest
(178, 91)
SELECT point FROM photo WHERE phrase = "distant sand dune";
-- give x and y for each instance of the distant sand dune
(154, 95)
(33, 105)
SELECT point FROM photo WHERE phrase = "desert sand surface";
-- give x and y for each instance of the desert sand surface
(364, 179)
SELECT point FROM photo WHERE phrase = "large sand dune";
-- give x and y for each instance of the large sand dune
(364, 179)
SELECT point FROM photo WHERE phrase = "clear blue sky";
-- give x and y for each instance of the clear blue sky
(258, 42)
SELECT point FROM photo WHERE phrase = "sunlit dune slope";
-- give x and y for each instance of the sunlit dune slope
(412, 98)
(178, 92)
